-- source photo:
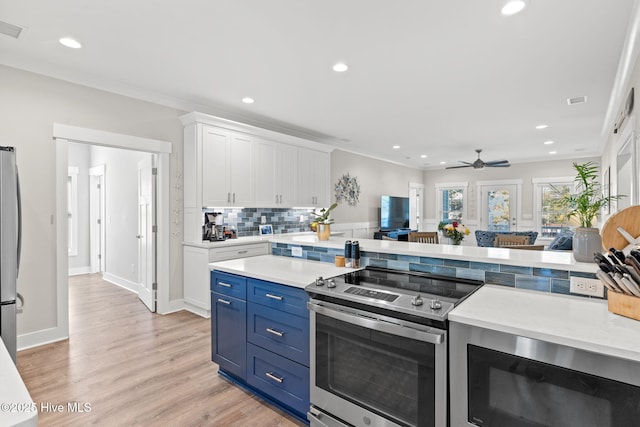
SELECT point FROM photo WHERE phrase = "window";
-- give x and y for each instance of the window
(551, 216)
(451, 201)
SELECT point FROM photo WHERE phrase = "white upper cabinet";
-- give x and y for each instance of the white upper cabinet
(229, 164)
(227, 168)
(313, 179)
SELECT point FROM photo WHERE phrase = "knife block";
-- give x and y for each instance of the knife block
(624, 305)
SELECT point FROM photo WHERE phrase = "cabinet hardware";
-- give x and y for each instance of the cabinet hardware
(228, 197)
(242, 252)
(224, 301)
(275, 378)
(281, 199)
(234, 197)
(274, 332)
(276, 199)
(226, 285)
(276, 297)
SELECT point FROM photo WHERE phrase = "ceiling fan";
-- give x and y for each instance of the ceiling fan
(479, 164)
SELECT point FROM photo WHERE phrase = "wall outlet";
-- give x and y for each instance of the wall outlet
(296, 251)
(584, 286)
(263, 219)
(232, 215)
(303, 218)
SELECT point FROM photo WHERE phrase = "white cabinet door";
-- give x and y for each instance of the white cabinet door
(286, 175)
(215, 167)
(241, 170)
(266, 170)
(313, 176)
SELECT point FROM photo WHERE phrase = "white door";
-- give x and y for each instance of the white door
(499, 207)
(146, 233)
(416, 194)
(96, 218)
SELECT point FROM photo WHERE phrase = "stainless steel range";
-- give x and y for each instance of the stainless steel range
(379, 347)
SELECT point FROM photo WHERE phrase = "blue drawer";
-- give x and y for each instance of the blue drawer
(281, 297)
(229, 284)
(278, 377)
(283, 333)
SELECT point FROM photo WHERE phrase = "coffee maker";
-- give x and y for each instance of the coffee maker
(212, 229)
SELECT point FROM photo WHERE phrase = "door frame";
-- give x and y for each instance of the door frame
(416, 203)
(98, 265)
(480, 191)
(62, 135)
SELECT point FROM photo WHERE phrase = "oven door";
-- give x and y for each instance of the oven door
(369, 369)
(503, 380)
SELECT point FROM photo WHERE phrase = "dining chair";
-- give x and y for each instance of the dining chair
(424, 237)
(388, 238)
(525, 247)
(510, 240)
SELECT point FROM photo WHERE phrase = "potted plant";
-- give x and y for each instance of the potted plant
(584, 205)
(323, 222)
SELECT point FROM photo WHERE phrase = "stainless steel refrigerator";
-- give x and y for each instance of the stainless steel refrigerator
(10, 240)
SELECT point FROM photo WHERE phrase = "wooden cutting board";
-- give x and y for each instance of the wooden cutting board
(629, 219)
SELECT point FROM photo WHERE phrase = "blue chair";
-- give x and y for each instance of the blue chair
(486, 239)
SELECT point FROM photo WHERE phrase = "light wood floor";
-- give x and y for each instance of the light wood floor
(135, 368)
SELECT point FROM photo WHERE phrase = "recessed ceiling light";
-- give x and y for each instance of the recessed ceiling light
(443, 163)
(553, 152)
(548, 142)
(423, 156)
(395, 147)
(542, 126)
(69, 42)
(512, 7)
(340, 67)
(248, 100)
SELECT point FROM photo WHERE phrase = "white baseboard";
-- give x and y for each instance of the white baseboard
(197, 310)
(38, 338)
(76, 271)
(119, 281)
(175, 305)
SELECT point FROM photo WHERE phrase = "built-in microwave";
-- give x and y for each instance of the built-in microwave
(503, 380)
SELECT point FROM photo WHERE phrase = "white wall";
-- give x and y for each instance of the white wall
(79, 156)
(29, 106)
(121, 200)
(376, 178)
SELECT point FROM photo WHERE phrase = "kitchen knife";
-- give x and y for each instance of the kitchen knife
(606, 267)
(618, 278)
(618, 254)
(598, 257)
(607, 281)
(636, 254)
(614, 259)
(633, 264)
(630, 284)
(633, 272)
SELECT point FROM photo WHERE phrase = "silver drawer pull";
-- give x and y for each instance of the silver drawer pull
(242, 252)
(224, 301)
(226, 285)
(276, 297)
(275, 378)
(274, 332)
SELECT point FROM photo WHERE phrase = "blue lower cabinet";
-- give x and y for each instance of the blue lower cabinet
(280, 332)
(229, 333)
(278, 377)
(281, 297)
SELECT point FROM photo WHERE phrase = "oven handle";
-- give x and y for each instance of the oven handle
(366, 320)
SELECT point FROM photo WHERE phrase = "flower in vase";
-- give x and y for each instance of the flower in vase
(456, 231)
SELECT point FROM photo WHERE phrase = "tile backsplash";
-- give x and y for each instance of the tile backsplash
(523, 277)
(247, 220)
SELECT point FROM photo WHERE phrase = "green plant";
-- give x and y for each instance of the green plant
(589, 198)
(323, 216)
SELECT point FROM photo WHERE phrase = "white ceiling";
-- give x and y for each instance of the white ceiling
(437, 77)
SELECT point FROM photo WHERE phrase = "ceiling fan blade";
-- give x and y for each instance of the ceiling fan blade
(502, 165)
(466, 163)
(496, 162)
(457, 167)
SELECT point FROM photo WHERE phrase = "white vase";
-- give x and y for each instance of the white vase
(586, 242)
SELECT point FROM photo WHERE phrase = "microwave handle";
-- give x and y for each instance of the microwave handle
(365, 320)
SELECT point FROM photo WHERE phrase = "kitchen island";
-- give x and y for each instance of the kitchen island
(17, 408)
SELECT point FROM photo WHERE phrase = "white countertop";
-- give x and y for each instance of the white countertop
(229, 242)
(16, 406)
(567, 320)
(540, 259)
(289, 271)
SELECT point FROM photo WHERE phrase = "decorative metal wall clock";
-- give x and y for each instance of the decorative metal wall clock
(348, 190)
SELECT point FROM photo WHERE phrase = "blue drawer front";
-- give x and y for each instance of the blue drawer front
(283, 333)
(281, 297)
(280, 378)
(228, 333)
(229, 284)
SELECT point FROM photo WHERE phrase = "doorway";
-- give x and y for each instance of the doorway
(97, 216)
(499, 206)
(64, 134)
(416, 200)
